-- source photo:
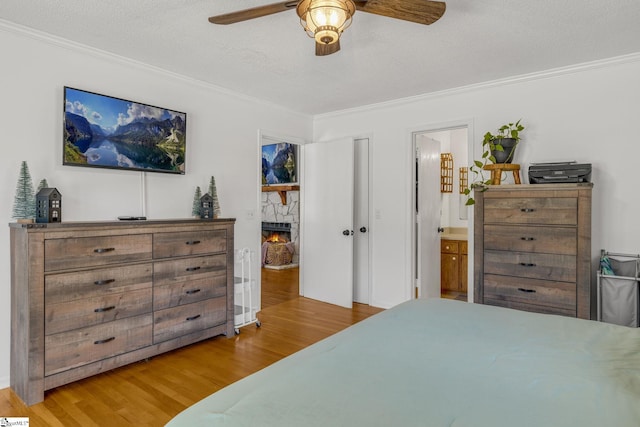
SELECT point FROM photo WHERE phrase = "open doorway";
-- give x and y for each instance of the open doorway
(442, 224)
(280, 222)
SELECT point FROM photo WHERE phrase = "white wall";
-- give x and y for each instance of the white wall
(222, 140)
(588, 113)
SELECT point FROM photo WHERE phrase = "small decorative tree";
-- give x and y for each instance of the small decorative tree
(43, 184)
(195, 210)
(214, 193)
(24, 205)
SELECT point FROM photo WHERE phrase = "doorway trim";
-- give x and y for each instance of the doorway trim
(427, 128)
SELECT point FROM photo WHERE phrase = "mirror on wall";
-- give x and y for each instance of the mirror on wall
(453, 146)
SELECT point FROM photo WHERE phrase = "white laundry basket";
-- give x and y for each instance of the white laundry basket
(618, 289)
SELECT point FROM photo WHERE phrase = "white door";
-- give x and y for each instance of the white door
(327, 222)
(361, 223)
(428, 216)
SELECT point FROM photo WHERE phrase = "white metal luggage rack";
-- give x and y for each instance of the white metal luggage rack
(245, 302)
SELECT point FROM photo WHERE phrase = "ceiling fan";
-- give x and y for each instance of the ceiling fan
(325, 20)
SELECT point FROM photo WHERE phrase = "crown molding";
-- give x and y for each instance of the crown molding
(61, 42)
(85, 49)
(539, 75)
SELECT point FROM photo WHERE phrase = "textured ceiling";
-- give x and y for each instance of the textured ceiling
(381, 59)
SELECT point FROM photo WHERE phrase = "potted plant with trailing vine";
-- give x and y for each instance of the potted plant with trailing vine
(496, 148)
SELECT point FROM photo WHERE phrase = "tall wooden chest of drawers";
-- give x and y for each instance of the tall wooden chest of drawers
(88, 297)
(532, 248)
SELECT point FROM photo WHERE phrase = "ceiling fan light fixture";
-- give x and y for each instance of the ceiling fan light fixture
(325, 20)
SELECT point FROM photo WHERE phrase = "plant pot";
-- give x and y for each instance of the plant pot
(509, 146)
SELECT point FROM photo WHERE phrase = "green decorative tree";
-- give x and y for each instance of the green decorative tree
(24, 205)
(214, 194)
(43, 184)
(195, 210)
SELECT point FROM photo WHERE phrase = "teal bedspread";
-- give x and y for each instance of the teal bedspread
(443, 363)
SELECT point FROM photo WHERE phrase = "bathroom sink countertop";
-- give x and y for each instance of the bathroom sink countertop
(454, 233)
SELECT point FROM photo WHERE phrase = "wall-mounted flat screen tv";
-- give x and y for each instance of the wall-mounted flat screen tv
(279, 164)
(106, 132)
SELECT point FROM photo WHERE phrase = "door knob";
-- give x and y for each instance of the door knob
(440, 230)
(346, 232)
(363, 229)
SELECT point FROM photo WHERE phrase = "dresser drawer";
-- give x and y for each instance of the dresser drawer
(531, 265)
(95, 310)
(188, 269)
(189, 243)
(531, 291)
(449, 246)
(539, 239)
(531, 210)
(65, 287)
(182, 320)
(85, 298)
(191, 289)
(65, 254)
(79, 347)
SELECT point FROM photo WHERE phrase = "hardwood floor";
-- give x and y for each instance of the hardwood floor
(279, 285)
(150, 393)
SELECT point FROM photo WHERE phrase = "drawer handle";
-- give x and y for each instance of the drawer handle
(528, 239)
(527, 210)
(529, 291)
(104, 282)
(193, 268)
(192, 242)
(527, 264)
(103, 250)
(104, 341)
(193, 318)
(193, 291)
(103, 309)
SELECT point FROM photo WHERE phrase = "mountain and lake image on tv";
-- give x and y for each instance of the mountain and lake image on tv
(103, 131)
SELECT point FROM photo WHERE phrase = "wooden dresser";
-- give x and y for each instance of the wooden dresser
(532, 248)
(93, 296)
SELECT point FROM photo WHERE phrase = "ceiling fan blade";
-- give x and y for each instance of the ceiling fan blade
(419, 11)
(255, 12)
(327, 49)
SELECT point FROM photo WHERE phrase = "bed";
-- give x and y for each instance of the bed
(443, 363)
